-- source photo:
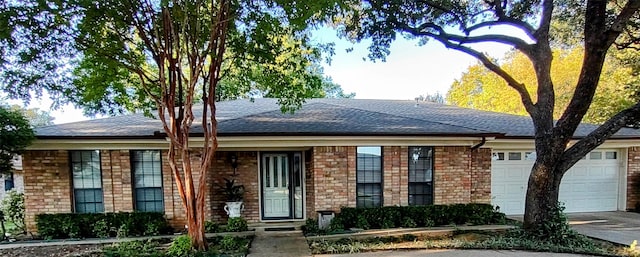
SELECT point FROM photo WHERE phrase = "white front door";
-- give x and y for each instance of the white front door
(275, 186)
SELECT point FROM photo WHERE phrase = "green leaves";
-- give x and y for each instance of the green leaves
(480, 89)
(15, 135)
(97, 56)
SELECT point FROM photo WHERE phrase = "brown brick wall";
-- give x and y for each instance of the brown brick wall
(173, 206)
(481, 175)
(333, 177)
(452, 176)
(47, 184)
(633, 177)
(116, 180)
(395, 161)
(310, 185)
(460, 176)
(246, 175)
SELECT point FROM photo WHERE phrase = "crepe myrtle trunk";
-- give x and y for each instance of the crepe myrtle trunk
(543, 189)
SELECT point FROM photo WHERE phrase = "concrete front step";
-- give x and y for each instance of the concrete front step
(278, 226)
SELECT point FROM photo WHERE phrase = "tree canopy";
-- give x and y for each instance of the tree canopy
(67, 48)
(15, 135)
(482, 89)
(35, 116)
(114, 56)
(459, 25)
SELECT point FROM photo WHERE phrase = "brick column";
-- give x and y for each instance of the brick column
(352, 156)
(481, 176)
(393, 173)
(452, 175)
(633, 177)
(332, 177)
(116, 180)
(310, 194)
(47, 184)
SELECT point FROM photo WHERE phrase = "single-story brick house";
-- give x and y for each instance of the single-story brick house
(330, 153)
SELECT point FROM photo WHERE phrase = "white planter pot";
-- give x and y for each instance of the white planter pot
(234, 209)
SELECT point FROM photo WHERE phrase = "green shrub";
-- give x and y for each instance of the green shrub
(13, 208)
(336, 225)
(429, 223)
(229, 243)
(180, 247)
(419, 216)
(311, 227)
(211, 227)
(228, 246)
(236, 225)
(362, 222)
(90, 225)
(556, 230)
(133, 249)
(101, 229)
(408, 222)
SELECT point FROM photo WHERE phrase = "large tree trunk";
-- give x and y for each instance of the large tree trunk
(542, 194)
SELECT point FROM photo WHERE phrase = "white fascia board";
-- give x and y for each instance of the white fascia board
(305, 142)
(102, 144)
(528, 144)
(250, 143)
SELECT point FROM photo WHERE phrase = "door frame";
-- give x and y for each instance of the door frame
(292, 206)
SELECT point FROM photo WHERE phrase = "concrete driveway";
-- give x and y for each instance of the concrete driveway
(617, 227)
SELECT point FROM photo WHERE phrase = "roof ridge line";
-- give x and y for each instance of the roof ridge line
(438, 122)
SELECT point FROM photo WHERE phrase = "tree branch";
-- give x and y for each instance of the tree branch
(542, 33)
(511, 81)
(622, 20)
(596, 46)
(525, 27)
(515, 42)
(629, 117)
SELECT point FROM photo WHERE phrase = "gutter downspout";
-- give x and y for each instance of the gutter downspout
(484, 140)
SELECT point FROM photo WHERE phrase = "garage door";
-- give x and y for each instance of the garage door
(590, 185)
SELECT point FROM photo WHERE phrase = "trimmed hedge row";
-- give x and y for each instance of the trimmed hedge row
(92, 225)
(416, 216)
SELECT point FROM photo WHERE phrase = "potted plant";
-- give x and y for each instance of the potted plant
(234, 193)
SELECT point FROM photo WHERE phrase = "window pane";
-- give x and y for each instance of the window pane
(8, 182)
(147, 169)
(515, 156)
(420, 175)
(611, 155)
(87, 181)
(369, 176)
(595, 156)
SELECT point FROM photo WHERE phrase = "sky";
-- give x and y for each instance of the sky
(409, 71)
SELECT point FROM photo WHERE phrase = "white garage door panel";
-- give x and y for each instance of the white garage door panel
(591, 185)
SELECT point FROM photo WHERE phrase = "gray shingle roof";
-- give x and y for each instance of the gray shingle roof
(326, 117)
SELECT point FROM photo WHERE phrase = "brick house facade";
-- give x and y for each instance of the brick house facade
(465, 149)
(330, 181)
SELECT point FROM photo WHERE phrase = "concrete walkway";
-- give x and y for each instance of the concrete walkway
(454, 253)
(279, 244)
